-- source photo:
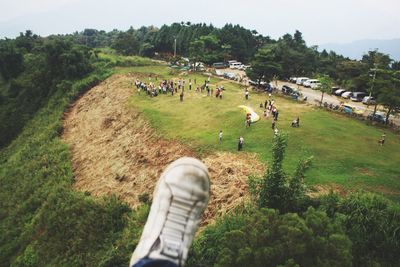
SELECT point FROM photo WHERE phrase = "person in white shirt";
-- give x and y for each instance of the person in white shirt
(240, 144)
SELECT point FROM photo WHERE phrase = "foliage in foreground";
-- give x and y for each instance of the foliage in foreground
(361, 229)
(277, 190)
(263, 237)
(43, 221)
(372, 222)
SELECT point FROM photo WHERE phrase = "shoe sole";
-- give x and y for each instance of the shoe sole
(187, 197)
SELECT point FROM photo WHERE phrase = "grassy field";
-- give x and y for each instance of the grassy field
(345, 151)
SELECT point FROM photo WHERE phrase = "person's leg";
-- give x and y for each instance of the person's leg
(179, 199)
(146, 262)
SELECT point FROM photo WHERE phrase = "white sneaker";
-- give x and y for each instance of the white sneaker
(179, 199)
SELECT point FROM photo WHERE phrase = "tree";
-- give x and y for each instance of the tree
(273, 188)
(375, 59)
(11, 60)
(396, 65)
(196, 51)
(388, 85)
(212, 49)
(127, 44)
(278, 191)
(146, 50)
(264, 66)
(325, 87)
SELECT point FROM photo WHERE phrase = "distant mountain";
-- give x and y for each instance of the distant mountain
(356, 49)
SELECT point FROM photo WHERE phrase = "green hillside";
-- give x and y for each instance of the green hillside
(346, 151)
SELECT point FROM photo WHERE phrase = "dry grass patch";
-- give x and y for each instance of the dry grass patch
(116, 151)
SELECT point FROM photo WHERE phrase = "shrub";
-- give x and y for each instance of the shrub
(264, 237)
(373, 224)
(276, 189)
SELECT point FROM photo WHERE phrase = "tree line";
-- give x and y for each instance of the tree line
(33, 68)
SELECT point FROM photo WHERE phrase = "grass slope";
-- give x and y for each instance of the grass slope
(345, 151)
(43, 221)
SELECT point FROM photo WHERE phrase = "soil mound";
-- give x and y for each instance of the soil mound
(116, 151)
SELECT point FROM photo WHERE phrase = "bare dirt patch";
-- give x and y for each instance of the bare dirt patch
(320, 190)
(365, 171)
(115, 151)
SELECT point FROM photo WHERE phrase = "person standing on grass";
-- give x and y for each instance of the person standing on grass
(276, 115)
(220, 136)
(240, 143)
(181, 96)
(190, 84)
(273, 124)
(246, 94)
(382, 141)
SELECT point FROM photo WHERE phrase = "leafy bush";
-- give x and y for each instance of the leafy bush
(263, 237)
(278, 191)
(373, 224)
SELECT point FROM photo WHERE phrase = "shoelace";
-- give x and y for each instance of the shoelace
(175, 226)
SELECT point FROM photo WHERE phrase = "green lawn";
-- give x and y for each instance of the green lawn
(346, 151)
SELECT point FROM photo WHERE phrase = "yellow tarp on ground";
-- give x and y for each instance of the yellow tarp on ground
(253, 115)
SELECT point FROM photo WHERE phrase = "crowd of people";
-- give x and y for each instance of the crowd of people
(154, 87)
(175, 86)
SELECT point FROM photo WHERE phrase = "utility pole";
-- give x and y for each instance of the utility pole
(175, 47)
(372, 88)
(373, 80)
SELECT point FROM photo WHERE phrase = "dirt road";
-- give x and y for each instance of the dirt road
(314, 96)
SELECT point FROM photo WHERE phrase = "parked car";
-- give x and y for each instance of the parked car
(229, 75)
(287, 90)
(352, 110)
(347, 109)
(235, 65)
(339, 92)
(369, 100)
(310, 82)
(358, 96)
(255, 83)
(315, 86)
(293, 79)
(301, 80)
(219, 65)
(219, 72)
(347, 94)
(334, 88)
(378, 116)
(296, 94)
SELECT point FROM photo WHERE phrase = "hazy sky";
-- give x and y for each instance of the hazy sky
(320, 21)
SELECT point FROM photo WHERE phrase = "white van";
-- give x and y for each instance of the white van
(301, 80)
(309, 83)
(235, 65)
(231, 62)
